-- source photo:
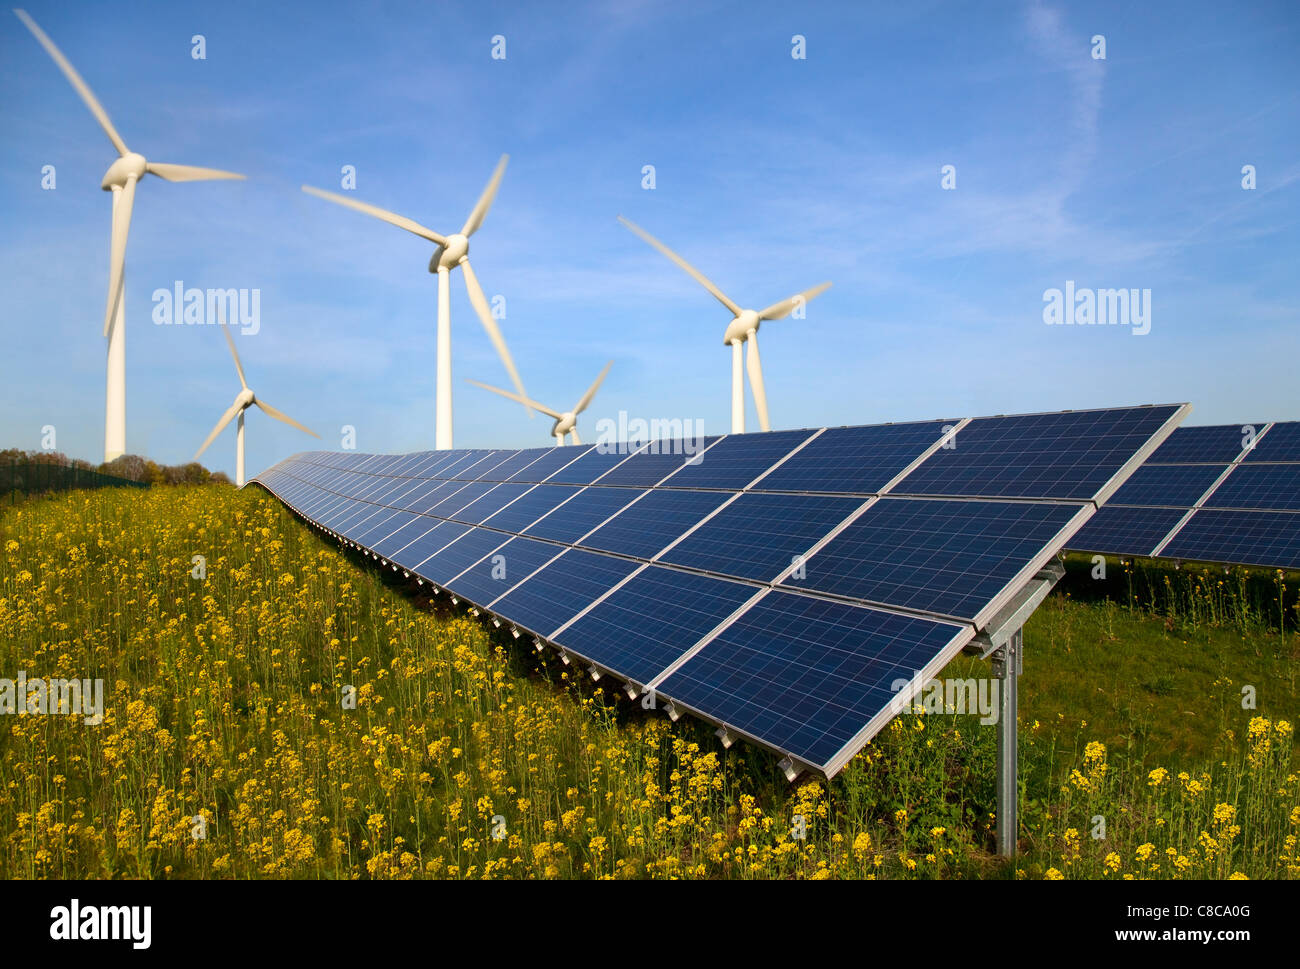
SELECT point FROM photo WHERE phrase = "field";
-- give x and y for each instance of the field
(463, 753)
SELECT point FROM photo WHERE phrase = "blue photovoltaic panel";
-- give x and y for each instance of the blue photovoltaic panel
(546, 465)
(646, 626)
(546, 601)
(757, 536)
(806, 675)
(653, 464)
(854, 460)
(1270, 539)
(1281, 443)
(461, 554)
(486, 470)
(949, 557)
(1168, 484)
(477, 511)
(427, 495)
(1066, 456)
(420, 548)
(580, 514)
(413, 529)
(1271, 487)
(593, 464)
(381, 526)
(515, 464)
(526, 509)
(644, 528)
(469, 491)
(494, 575)
(438, 461)
(1120, 530)
(736, 460)
(797, 671)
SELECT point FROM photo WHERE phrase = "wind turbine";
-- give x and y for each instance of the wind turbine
(742, 329)
(452, 251)
(120, 179)
(244, 400)
(565, 423)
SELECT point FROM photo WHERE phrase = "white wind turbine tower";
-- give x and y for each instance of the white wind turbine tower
(742, 329)
(244, 400)
(452, 251)
(120, 179)
(565, 423)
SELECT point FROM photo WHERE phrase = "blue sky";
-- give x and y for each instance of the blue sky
(772, 174)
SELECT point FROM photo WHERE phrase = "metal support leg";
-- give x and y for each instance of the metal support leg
(1007, 667)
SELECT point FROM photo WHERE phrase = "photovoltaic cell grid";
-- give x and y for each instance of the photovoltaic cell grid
(1226, 493)
(777, 584)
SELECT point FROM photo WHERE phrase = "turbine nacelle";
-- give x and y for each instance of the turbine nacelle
(565, 424)
(449, 256)
(740, 327)
(245, 399)
(132, 164)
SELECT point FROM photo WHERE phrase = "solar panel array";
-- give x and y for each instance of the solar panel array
(776, 584)
(1228, 494)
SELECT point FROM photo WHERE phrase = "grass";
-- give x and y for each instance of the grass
(466, 755)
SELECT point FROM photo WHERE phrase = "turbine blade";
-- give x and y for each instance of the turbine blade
(239, 367)
(591, 391)
(125, 200)
(574, 435)
(189, 173)
(755, 370)
(226, 418)
(779, 311)
(82, 88)
(523, 400)
(691, 270)
(282, 416)
(392, 218)
(485, 200)
(493, 331)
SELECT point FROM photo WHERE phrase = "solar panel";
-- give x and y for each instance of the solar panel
(735, 461)
(494, 574)
(1178, 485)
(757, 536)
(1068, 455)
(855, 460)
(646, 625)
(1272, 487)
(546, 600)
(1218, 444)
(1170, 506)
(588, 508)
(645, 527)
(809, 676)
(782, 584)
(952, 558)
(1126, 531)
(1269, 539)
(1281, 443)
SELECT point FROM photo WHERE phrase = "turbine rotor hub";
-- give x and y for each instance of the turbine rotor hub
(129, 164)
(741, 325)
(450, 255)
